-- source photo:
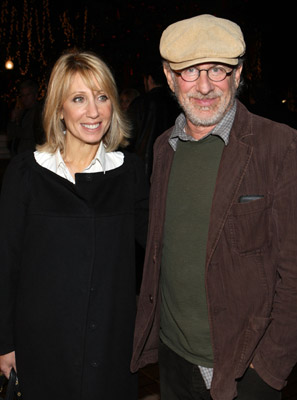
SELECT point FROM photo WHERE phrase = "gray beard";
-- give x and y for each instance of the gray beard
(191, 113)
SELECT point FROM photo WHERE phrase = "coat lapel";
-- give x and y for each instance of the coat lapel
(235, 158)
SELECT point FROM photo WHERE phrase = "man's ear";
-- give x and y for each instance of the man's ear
(237, 75)
(168, 74)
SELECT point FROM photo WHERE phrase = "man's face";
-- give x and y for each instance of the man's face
(204, 102)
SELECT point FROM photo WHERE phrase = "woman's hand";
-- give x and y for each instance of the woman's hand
(7, 361)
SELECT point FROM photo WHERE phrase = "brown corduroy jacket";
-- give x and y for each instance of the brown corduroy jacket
(251, 259)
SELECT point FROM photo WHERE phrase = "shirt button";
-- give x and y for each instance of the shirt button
(89, 177)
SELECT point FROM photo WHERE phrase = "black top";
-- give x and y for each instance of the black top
(67, 285)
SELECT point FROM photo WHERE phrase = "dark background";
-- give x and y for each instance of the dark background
(33, 33)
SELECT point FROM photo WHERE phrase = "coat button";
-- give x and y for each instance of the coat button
(151, 299)
(89, 177)
(93, 325)
(94, 364)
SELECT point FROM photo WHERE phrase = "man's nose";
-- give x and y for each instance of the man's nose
(204, 84)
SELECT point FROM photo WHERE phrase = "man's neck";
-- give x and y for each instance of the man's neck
(197, 132)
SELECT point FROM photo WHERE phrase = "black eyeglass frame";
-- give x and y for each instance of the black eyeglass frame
(206, 70)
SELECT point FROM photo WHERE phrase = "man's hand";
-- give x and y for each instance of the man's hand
(7, 361)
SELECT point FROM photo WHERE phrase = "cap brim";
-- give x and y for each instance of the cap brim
(189, 63)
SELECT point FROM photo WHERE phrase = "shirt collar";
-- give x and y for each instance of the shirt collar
(222, 129)
(100, 158)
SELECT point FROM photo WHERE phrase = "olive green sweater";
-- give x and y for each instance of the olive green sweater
(184, 316)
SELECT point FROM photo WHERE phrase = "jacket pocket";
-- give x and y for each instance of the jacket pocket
(249, 226)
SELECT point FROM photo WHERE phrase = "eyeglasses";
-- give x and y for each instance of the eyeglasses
(217, 73)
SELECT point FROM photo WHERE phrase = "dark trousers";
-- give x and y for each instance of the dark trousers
(181, 380)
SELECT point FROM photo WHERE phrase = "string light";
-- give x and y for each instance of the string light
(26, 36)
(9, 64)
(34, 33)
(27, 32)
(67, 27)
(85, 26)
(3, 19)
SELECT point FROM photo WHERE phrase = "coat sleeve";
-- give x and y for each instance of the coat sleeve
(12, 216)
(141, 191)
(277, 351)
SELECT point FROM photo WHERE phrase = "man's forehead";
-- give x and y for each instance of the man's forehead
(210, 65)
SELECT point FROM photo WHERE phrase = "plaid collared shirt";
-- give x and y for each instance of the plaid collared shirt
(222, 129)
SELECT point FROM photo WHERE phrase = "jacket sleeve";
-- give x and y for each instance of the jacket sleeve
(277, 351)
(12, 217)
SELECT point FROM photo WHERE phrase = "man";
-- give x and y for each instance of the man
(220, 277)
(24, 130)
(126, 97)
(151, 113)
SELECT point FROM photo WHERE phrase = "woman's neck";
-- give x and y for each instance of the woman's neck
(78, 158)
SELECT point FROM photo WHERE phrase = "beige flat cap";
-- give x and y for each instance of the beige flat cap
(202, 39)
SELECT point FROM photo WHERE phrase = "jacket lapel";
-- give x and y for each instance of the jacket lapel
(234, 162)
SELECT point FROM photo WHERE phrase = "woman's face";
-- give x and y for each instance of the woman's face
(86, 113)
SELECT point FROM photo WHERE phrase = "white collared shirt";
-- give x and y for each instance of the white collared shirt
(102, 162)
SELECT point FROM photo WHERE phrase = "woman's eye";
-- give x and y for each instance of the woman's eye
(102, 97)
(78, 99)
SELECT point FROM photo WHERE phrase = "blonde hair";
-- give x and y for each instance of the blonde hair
(88, 66)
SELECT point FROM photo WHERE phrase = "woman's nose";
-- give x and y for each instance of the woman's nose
(93, 109)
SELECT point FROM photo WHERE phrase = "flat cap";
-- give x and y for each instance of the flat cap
(201, 39)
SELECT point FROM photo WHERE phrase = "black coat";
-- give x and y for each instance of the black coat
(67, 289)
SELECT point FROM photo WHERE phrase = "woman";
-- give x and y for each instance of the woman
(70, 213)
